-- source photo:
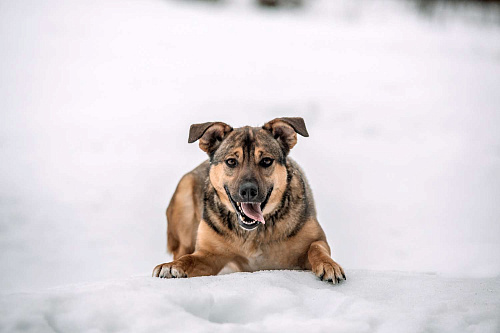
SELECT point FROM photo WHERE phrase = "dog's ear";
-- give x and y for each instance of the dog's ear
(285, 130)
(210, 135)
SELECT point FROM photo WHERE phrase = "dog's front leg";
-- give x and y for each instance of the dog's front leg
(322, 264)
(200, 263)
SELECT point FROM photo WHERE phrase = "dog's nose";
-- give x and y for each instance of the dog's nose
(249, 191)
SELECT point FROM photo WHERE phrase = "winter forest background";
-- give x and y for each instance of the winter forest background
(401, 100)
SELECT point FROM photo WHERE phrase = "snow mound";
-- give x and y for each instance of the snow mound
(261, 302)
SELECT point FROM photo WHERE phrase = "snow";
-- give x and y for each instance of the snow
(96, 99)
(261, 302)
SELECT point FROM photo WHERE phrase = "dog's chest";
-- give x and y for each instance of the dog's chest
(258, 260)
(268, 258)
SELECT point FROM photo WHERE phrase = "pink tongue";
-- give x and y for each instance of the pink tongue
(252, 210)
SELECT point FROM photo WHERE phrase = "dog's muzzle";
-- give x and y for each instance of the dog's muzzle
(249, 213)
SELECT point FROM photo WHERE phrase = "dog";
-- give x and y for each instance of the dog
(247, 208)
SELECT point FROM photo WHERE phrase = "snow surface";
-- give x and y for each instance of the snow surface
(280, 301)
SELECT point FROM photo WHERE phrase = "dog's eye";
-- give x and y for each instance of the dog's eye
(231, 162)
(266, 162)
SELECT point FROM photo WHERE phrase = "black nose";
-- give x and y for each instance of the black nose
(249, 191)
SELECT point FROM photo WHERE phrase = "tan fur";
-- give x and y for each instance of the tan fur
(184, 214)
(279, 180)
(204, 240)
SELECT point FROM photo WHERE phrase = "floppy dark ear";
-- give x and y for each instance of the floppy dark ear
(285, 130)
(210, 135)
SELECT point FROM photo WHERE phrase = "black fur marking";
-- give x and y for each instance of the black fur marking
(282, 210)
(304, 214)
(284, 206)
(289, 176)
(306, 199)
(209, 205)
(264, 203)
(225, 216)
(248, 143)
(213, 226)
(298, 227)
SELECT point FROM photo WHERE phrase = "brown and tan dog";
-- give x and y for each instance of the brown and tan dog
(248, 208)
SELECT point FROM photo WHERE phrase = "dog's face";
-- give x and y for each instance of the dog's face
(248, 164)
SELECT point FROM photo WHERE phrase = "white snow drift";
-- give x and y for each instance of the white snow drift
(281, 301)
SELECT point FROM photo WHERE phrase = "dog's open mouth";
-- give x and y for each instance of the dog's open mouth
(249, 213)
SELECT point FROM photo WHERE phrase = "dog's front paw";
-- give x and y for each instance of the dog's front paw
(329, 271)
(170, 270)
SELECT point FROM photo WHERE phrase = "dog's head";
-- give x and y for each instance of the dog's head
(248, 164)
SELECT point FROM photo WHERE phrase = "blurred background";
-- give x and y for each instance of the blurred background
(401, 99)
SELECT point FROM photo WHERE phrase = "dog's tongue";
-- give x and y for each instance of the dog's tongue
(252, 210)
